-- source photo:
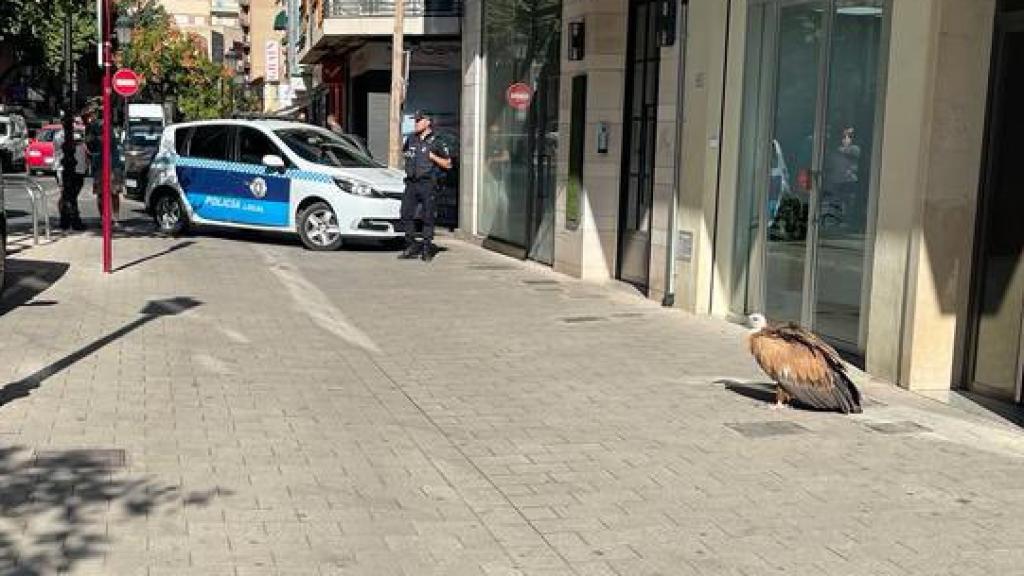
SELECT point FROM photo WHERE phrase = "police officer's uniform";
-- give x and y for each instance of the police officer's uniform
(421, 175)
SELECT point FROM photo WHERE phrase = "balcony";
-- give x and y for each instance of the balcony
(244, 20)
(350, 22)
(413, 8)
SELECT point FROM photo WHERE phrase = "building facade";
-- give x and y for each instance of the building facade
(217, 22)
(835, 163)
(346, 45)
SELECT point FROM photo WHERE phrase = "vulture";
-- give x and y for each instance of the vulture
(803, 366)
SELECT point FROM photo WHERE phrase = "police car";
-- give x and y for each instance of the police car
(272, 175)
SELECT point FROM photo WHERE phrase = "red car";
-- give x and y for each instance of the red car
(39, 154)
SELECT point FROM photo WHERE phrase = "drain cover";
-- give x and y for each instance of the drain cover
(581, 319)
(88, 458)
(767, 429)
(901, 427)
(540, 282)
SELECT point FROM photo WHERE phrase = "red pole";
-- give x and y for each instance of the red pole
(107, 119)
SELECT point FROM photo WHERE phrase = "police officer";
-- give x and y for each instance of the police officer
(425, 156)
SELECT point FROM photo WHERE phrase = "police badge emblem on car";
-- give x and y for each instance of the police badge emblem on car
(258, 187)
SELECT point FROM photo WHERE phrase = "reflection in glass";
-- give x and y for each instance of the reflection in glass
(801, 31)
(522, 46)
(849, 136)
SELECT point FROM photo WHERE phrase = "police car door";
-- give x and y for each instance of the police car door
(204, 173)
(267, 191)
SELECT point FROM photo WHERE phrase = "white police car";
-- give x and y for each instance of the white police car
(272, 175)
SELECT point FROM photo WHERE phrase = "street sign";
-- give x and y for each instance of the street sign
(126, 82)
(519, 96)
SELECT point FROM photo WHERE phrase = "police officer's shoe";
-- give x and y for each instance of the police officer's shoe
(412, 250)
(429, 251)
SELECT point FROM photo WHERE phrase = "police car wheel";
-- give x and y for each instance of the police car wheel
(318, 227)
(169, 214)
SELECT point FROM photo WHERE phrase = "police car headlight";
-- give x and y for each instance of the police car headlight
(356, 188)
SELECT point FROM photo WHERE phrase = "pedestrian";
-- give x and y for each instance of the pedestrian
(94, 140)
(333, 125)
(425, 157)
(70, 217)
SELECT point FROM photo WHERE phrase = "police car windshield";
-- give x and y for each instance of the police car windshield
(324, 147)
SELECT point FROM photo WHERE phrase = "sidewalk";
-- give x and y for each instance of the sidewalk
(232, 404)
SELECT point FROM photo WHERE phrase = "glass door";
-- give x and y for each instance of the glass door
(812, 86)
(999, 285)
(640, 126)
(794, 160)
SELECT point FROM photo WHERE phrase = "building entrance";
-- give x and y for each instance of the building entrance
(810, 133)
(998, 295)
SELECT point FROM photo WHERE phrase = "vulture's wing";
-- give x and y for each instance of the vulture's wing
(803, 370)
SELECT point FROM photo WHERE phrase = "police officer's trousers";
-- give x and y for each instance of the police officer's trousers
(420, 193)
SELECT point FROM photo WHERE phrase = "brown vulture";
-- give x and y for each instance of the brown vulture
(803, 366)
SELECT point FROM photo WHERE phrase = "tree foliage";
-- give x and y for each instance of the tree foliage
(34, 31)
(174, 63)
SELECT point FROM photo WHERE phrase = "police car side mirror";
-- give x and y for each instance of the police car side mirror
(274, 162)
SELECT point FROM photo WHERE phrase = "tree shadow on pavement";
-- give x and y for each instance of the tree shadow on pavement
(26, 279)
(56, 506)
(154, 309)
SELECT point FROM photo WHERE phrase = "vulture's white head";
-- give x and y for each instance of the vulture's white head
(757, 322)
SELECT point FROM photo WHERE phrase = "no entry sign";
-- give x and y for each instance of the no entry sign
(126, 82)
(519, 96)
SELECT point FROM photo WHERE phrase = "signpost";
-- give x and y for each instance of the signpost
(519, 95)
(105, 29)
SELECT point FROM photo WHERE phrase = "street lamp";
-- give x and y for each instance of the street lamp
(123, 28)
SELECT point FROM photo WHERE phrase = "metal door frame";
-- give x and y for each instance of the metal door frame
(627, 139)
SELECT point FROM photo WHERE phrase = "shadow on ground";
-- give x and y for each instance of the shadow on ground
(155, 255)
(26, 279)
(153, 310)
(760, 391)
(56, 506)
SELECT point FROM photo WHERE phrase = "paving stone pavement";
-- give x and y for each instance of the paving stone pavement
(348, 413)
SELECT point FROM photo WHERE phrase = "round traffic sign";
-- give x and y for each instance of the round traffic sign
(126, 82)
(519, 95)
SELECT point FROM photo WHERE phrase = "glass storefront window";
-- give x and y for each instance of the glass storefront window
(522, 46)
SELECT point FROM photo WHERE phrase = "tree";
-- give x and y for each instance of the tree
(175, 62)
(33, 31)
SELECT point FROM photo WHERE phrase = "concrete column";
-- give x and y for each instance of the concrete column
(589, 251)
(473, 61)
(704, 133)
(931, 157)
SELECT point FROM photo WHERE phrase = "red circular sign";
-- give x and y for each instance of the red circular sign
(126, 82)
(519, 96)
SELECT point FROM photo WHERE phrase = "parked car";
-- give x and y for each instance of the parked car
(39, 156)
(272, 175)
(13, 141)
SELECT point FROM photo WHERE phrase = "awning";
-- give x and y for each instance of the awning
(281, 21)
